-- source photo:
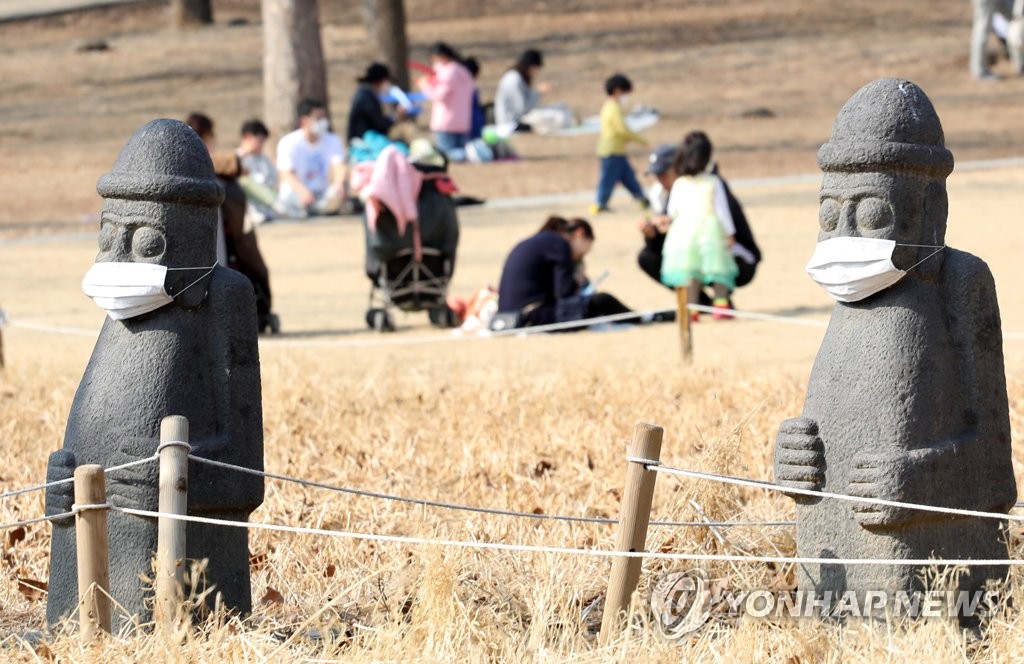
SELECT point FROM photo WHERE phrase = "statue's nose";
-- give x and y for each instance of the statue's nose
(848, 220)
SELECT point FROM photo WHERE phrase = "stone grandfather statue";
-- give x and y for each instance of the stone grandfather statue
(907, 398)
(179, 339)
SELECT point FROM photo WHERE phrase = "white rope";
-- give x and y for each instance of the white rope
(758, 484)
(38, 519)
(456, 336)
(68, 480)
(467, 508)
(528, 548)
(76, 508)
(173, 443)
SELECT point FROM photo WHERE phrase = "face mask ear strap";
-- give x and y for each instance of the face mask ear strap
(923, 246)
(208, 272)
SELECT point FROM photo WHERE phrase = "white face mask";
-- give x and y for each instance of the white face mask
(127, 290)
(624, 101)
(320, 127)
(853, 268)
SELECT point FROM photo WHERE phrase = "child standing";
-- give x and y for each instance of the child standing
(611, 147)
(697, 249)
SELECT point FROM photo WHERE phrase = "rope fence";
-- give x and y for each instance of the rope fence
(643, 465)
(533, 548)
(69, 480)
(468, 508)
(657, 467)
(456, 335)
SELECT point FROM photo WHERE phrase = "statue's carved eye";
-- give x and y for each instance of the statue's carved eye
(828, 214)
(148, 243)
(873, 214)
(108, 235)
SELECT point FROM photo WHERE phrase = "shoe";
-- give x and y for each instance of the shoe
(597, 209)
(722, 307)
(694, 316)
(644, 204)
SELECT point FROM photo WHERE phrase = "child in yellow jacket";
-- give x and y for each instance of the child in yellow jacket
(611, 147)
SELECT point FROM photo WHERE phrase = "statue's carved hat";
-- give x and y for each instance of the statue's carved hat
(165, 161)
(889, 125)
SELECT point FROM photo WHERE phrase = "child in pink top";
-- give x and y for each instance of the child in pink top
(450, 88)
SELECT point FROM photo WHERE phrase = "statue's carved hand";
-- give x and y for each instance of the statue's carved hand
(60, 498)
(878, 476)
(136, 486)
(799, 457)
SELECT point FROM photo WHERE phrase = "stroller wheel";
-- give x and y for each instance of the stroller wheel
(379, 320)
(442, 317)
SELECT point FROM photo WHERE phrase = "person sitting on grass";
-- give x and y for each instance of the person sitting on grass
(310, 165)
(367, 112)
(611, 147)
(542, 281)
(518, 93)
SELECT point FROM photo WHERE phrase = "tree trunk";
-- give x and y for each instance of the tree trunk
(293, 62)
(385, 22)
(191, 13)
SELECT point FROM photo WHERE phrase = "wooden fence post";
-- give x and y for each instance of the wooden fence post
(170, 548)
(632, 531)
(685, 336)
(92, 553)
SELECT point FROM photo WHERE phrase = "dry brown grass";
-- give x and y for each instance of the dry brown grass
(536, 435)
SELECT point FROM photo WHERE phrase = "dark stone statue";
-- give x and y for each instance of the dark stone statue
(195, 356)
(907, 398)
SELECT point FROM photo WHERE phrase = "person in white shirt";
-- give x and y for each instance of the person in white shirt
(310, 165)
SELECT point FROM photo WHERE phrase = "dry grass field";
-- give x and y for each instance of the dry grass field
(524, 424)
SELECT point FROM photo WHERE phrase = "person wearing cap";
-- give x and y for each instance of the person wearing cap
(745, 250)
(516, 94)
(367, 113)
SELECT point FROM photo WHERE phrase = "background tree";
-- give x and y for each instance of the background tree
(385, 22)
(191, 13)
(293, 61)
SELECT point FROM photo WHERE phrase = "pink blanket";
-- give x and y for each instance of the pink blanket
(395, 184)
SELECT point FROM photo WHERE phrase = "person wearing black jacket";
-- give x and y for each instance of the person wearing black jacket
(542, 281)
(366, 113)
(746, 252)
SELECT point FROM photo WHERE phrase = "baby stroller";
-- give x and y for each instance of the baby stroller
(412, 233)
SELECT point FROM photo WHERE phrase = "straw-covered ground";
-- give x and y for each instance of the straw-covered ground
(526, 424)
(539, 424)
